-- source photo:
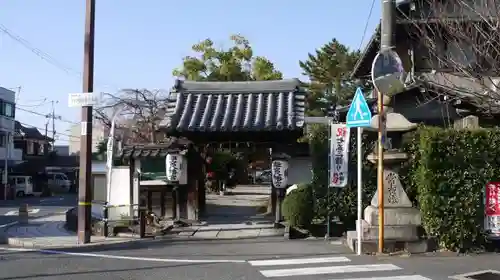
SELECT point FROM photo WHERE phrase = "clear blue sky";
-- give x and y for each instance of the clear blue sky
(138, 43)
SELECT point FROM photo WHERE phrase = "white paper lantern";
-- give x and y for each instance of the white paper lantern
(173, 165)
(279, 171)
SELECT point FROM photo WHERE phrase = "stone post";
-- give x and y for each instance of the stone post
(23, 214)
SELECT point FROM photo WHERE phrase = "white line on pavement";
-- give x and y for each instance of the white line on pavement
(328, 270)
(8, 224)
(16, 212)
(399, 277)
(121, 257)
(297, 261)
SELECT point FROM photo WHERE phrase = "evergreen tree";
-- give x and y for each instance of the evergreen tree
(329, 71)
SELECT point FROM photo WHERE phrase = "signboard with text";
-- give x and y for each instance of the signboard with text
(339, 155)
(492, 208)
(83, 99)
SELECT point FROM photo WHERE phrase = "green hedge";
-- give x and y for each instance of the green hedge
(453, 169)
(297, 207)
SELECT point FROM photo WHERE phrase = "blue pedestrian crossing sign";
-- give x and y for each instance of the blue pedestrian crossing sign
(359, 114)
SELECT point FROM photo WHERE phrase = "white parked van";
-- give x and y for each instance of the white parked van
(58, 181)
(23, 184)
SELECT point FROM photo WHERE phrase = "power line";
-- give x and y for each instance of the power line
(48, 58)
(50, 115)
(44, 55)
(367, 24)
(50, 131)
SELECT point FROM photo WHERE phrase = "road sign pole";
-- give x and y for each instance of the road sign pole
(359, 116)
(328, 218)
(360, 189)
(380, 172)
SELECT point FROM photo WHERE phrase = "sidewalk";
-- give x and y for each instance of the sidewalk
(48, 232)
(232, 216)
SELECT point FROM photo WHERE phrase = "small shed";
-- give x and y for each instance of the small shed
(147, 176)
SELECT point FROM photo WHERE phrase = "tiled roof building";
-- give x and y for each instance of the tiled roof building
(236, 107)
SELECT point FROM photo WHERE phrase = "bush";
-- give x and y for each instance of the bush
(452, 170)
(298, 207)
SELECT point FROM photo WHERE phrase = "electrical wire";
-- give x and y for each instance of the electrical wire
(46, 57)
(56, 117)
(366, 25)
(48, 131)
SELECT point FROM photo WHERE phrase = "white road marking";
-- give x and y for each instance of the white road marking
(328, 270)
(16, 212)
(399, 277)
(121, 257)
(298, 261)
(8, 224)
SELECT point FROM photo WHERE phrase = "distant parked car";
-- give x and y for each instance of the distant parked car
(263, 177)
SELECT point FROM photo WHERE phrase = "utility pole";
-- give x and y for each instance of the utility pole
(53, 124)
(84, 189)
(386, 43)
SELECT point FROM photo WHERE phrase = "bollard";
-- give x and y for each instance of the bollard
(105, 230)
(23, 214)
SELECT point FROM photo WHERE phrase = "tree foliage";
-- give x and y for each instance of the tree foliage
(236, 63)
(329, 71)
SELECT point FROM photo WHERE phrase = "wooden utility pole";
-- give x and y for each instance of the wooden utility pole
(386, 43)
(84, 189)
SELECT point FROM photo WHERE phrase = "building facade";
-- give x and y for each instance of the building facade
(61, 150)
(7, 129)
(99, 133)
(31, 141)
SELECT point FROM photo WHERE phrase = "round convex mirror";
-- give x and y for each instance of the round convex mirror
(388, 73)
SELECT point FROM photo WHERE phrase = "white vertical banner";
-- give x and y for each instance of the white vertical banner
(339, 155)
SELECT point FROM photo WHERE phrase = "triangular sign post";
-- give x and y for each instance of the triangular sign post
(359, 114)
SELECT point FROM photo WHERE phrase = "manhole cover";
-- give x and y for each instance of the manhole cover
(479, 275)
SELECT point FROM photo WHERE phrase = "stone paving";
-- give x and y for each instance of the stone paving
(235, 215)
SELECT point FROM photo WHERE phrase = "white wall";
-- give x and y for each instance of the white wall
(98, 134)
(119, 195)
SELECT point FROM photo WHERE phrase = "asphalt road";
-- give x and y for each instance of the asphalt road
(43, 206)
(256, 259)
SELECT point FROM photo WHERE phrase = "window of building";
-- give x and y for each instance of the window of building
(7, 109)
(30, 147)
(41, 148)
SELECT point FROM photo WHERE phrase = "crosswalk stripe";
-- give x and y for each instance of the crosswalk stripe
(328, 270)
(298, 261)
(399, 277)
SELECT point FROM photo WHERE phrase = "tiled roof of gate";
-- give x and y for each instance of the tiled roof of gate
(153, 150)
(236, 106)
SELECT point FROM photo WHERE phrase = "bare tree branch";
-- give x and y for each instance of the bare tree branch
(462, 46)
(141, 112)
